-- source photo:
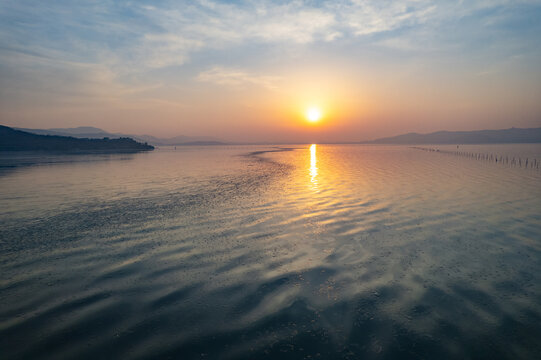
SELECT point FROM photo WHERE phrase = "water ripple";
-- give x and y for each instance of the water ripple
(246, 252)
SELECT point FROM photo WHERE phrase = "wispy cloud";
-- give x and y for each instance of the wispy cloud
(162, 50)
(183, 29)
(371, 17)
(238, 78)
(158, 35)
(215, 25)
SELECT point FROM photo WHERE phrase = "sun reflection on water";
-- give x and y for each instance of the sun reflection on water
(313, 166)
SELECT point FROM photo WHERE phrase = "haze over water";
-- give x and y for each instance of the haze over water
(321, 251)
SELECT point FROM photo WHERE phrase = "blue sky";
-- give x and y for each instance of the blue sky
(239, 69)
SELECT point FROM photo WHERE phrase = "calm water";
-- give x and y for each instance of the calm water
(339, 252)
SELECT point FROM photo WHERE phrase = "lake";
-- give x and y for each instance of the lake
(263, 252)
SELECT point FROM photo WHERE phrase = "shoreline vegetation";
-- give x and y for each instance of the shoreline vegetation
(17, 140)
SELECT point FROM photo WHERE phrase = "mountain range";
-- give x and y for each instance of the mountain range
(512, 135)
(96, 133)
(503, 136)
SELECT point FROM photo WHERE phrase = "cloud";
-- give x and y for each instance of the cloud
(162, 50)
(212, 25)
(131, 41)
(370, 17)
(143, 36)
(238, 78)
(184, 29)
(203, 25)
(45, 81)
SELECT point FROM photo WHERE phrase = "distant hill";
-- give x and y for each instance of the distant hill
(96, 133)
(79, 130)
(504, 136)
(83, 132)
(201, 143)
(181, 140)
(17, 140)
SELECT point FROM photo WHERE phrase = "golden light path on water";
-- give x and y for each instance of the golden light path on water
(313, 166)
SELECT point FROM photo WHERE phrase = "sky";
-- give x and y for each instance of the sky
(250, 70)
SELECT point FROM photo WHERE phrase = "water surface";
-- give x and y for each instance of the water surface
(323, 251)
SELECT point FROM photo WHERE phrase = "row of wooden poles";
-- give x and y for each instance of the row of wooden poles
(513, 161)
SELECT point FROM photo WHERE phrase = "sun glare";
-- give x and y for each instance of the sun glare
(313, 114)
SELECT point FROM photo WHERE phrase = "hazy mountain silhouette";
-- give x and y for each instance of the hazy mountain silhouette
(79, 130)
(512, 135)
(96, 133)
(17, 140)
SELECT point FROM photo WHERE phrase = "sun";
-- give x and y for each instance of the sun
(313, 114)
